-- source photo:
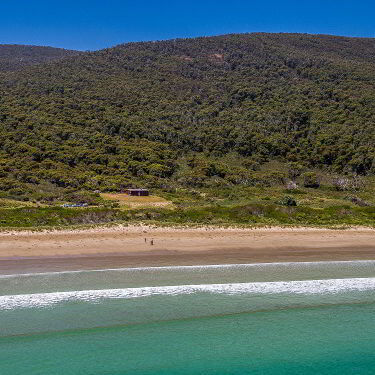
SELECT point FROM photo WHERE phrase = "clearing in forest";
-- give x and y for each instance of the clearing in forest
(127, 201)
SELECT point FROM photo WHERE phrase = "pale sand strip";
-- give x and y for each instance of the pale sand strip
(126, 247)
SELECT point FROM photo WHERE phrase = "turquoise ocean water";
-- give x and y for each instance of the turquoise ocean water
(285, 318)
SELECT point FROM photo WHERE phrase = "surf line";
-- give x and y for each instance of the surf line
(190, 267)
(305, 287)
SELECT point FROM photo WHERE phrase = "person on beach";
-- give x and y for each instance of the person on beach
(152, 242)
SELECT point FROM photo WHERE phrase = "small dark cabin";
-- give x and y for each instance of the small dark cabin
(138, 192)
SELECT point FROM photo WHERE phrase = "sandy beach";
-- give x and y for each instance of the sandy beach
(147, 246)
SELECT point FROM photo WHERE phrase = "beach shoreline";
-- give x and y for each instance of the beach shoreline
(143, 246)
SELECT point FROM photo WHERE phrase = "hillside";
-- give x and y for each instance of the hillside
(14, 57)
(191, 113)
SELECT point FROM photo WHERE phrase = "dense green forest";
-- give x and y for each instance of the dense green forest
(215, 113)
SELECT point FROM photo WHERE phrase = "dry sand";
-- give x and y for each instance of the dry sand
(126, 247)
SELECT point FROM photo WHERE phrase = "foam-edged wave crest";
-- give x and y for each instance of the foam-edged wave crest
(307, 287)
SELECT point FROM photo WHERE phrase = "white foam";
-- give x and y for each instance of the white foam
(306, 287)
(193, 267)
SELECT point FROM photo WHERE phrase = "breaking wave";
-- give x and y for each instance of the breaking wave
(306, 287)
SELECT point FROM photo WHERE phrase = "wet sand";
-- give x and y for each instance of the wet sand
(119, 247)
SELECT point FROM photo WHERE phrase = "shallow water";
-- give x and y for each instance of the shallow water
(286, 318)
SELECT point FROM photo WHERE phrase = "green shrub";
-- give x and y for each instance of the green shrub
(310, 180)
(288, 201)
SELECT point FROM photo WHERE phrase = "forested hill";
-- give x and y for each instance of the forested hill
(184, 112)
(13, 56)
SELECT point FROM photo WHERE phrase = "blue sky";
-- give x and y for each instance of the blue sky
(91, 25)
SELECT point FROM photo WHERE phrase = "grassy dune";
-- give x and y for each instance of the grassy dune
(324, 206)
